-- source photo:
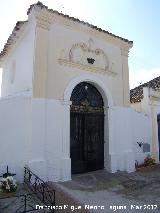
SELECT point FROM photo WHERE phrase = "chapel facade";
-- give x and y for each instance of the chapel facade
(65, 98)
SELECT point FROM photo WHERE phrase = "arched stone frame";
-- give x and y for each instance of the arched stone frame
(108, 130)
(93, 79)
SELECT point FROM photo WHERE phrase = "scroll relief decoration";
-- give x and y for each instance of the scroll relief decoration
(83, 56)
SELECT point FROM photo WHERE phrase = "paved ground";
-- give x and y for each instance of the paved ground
(120, 192)
(14, 204)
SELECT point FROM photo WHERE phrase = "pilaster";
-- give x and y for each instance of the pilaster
(125, 76)
(65, 160)
(42, 24)
(154, 152)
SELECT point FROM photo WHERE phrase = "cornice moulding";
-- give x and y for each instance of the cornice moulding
(86, 67)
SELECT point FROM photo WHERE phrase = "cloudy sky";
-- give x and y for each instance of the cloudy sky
(135, 20)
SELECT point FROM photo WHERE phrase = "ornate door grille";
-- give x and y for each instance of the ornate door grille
(87, 129)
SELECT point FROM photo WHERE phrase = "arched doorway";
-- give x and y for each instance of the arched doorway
(86, 129)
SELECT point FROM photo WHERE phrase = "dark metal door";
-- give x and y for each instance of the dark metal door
(87, 142)
(86, 129)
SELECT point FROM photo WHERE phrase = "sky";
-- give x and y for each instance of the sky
(136, 20)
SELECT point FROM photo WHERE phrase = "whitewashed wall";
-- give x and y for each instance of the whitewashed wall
(141, 132)
(121, 144)
(129, 127)
(18, 66)
(14, 134)
(137, 106)
(50, 157)
(47, 152)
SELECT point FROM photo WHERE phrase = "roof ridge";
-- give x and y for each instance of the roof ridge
(41, 5)
(18, 25)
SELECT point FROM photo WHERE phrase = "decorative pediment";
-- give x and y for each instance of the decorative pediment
(85, 57)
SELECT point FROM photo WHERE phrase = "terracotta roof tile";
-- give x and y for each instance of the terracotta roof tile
(136, 94)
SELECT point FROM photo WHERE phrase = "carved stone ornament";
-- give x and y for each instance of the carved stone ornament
(86, 57)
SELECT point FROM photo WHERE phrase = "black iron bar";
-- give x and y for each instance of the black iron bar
(25, 203)
(35, 186)
(43, 193)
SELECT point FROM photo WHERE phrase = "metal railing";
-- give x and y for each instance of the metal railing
(36, 184)
(42, 196)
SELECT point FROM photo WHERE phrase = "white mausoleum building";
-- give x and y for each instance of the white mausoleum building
(65, 105)
(146, 99)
